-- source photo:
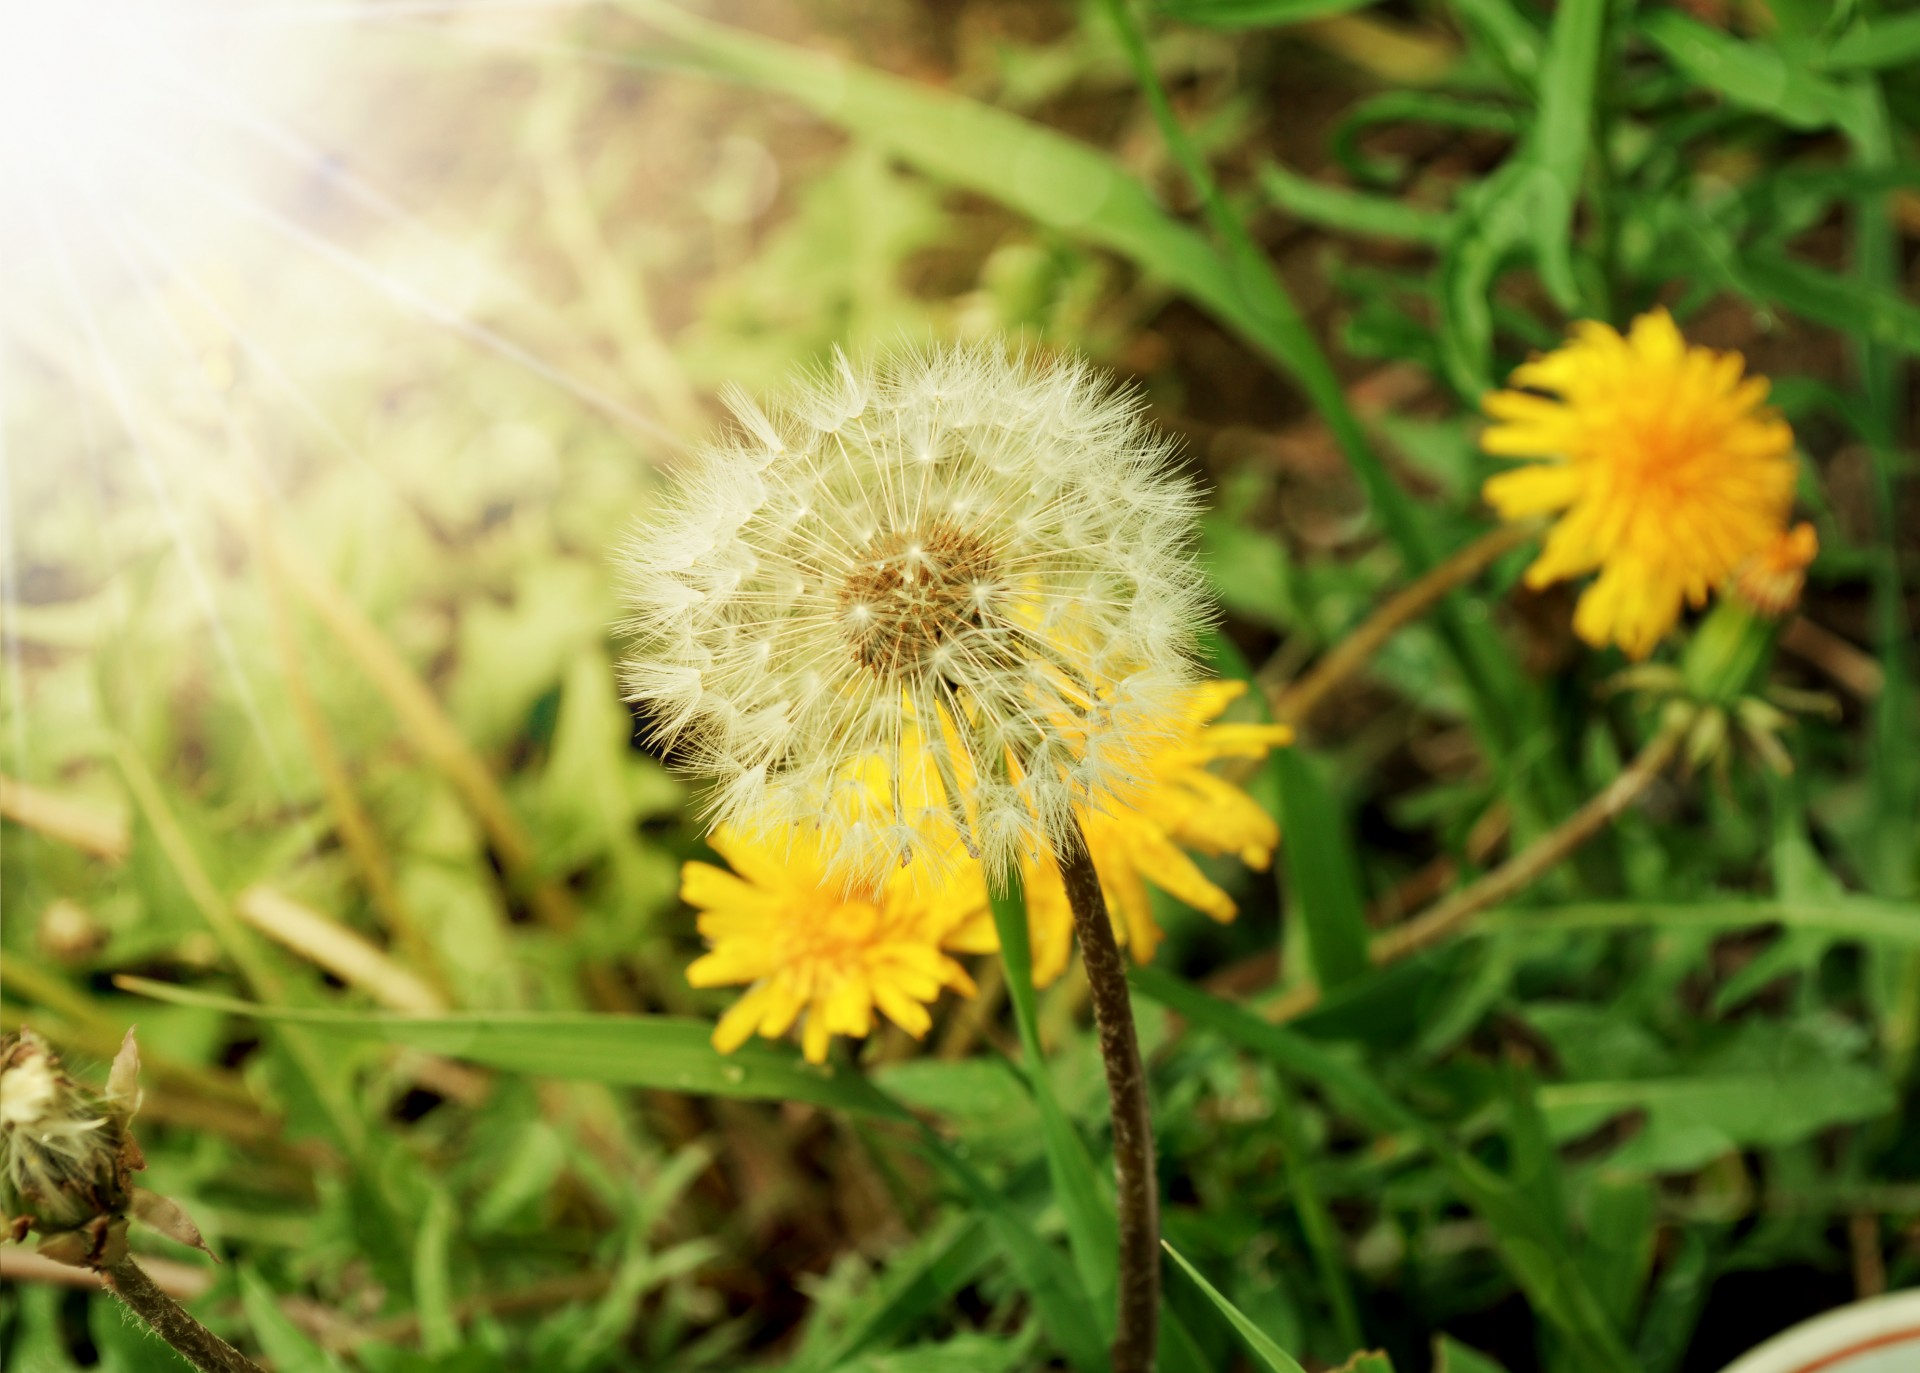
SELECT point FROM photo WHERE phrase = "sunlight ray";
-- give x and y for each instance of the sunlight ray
(10, 602)
(288, 142)
(249, 344)
(334, 12)
(127, 413)
(427, 306)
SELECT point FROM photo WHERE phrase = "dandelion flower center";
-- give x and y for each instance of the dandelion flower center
(911, 594)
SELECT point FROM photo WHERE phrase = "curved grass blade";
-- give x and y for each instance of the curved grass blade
(670, 1053)
(1270, 1355)
(1092, 1231)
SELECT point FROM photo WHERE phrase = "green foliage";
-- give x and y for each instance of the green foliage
(483, 1127)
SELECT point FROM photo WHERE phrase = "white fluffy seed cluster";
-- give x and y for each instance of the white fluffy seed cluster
(926, 605)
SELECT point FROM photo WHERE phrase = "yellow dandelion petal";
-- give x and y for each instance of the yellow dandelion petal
(1138, 842)
(737, 1023)
(1665, 467)
(1132, 907)
(812, 950)
(1771, 581)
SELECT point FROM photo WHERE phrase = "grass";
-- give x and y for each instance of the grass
(311, 721)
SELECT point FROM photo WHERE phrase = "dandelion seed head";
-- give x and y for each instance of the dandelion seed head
(971, 565)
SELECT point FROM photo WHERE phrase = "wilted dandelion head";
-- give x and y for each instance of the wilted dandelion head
(937, 601)
(63, 1146)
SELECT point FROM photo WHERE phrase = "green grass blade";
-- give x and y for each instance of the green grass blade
(1535, 1255)
(1323, 876)
(671, 1053)
(1323, 1240)
(1253, 14)
(1511, 38)
(1865, 919)
(1352, 212)
(1557, 154)
(1043, 1271)
(1450, 1356)
(1270, 1355)
(938, 1267)
(1754, 76)
(285, 1345)
(1092, 1232)
(1874, 45)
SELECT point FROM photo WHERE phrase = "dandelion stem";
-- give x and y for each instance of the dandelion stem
(195, 1343)
(1293, 703)
(1136, 1184)
(1449, 915)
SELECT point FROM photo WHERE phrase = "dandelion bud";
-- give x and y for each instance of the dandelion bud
(921, 609)
(67, 1156)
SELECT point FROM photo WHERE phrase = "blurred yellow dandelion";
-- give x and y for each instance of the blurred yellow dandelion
(1664, 465)
(808, 948)
(1772, 579)
(1139, 838)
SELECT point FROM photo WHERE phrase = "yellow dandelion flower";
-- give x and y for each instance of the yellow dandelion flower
(1772, 579)
(808, 947)
(1139, 839)
(1662, 461)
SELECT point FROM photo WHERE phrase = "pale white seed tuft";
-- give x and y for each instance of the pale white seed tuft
(924, 606)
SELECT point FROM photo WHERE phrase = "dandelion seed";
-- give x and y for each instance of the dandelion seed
(1662, 461)
(967, 568)
(1177, 805)
(810, 950)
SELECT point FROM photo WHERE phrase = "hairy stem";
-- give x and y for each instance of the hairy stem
(1449, 915)
(1137, 1330)
(195, 1343)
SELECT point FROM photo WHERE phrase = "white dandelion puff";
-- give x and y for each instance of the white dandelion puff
(928, 605)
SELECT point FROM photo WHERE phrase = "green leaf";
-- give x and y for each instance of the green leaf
(1450, 1356)
(1253, 14)
(1558, 149)
(1752, 75)
(1049, 1280)
(1323, 876)
(1531, 1248)
(912, 1286)
(1092, 1232)
(1884, 41)
(667, 1052)
(1352, 212)
(286, 1347)
(1845, 917)
(432, 1280)
(1270, 1355)
(1515, 43)
(1845, 303)
(1692, 1120)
